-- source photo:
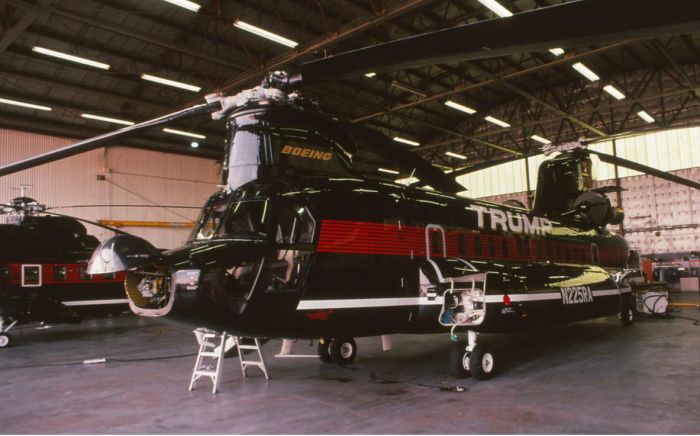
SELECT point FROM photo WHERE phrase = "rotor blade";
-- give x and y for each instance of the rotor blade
(406, 160)
(94, 223)
(613, 160)
(573, 24)
(122, 205)
(489, 164)
(101, 140)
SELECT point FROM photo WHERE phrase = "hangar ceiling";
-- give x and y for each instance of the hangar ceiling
(536, 97)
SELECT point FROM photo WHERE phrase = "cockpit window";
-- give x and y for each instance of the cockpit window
(296, 225)
(209, 221)
(245, 219)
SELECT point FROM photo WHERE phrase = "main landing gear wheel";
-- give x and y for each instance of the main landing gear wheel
(482, 363)
(5, 340)
(626, 314)
(342, 351)
(459, 361)
(323, 351)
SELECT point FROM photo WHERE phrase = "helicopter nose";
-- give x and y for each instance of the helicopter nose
(120, 253)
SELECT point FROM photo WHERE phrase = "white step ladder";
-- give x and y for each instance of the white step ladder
(255, 346)
(210, 350)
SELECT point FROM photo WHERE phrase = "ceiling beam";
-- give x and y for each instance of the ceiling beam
(357, 26)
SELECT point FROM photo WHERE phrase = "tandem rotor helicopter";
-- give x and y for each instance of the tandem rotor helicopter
(304, 243)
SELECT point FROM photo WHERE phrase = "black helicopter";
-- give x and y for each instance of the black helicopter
(43, 270)
(307, 241)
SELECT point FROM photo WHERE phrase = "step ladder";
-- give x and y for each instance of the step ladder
(213, 352)
(245, 344)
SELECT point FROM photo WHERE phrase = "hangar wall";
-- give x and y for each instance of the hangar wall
(131, 177)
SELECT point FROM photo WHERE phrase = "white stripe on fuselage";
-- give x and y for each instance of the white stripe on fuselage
(357, 303)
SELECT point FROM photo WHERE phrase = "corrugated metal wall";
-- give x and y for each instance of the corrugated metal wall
(132, 177)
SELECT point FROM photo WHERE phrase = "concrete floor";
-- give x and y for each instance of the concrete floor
(588, 377)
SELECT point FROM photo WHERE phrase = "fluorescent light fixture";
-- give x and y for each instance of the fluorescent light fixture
(407, 181)
(68, 57)
(460, 107)
(24, 104)
(169, 82)
(556, 51)
(406, 141)
(107, 119)
(455, 155)
(645, 116)
(194, 144)
(370, 74)
(410, 89)
(192, 6)
(497, 8)
(496, 121)
(384, 170)
(614, 92)
(540, 139)
(264, 33)
(585, 71)
(183, 133)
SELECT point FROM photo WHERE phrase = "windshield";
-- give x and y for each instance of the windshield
(246, 219)
(209, 221)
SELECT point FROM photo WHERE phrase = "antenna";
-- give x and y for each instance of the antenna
(23, 189)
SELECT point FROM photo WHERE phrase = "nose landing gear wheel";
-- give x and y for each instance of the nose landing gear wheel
(342, 351)
(459, 361)
(5, 340)
(323, 351)
(482, 363)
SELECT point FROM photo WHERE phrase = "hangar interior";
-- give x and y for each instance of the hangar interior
(71, 70)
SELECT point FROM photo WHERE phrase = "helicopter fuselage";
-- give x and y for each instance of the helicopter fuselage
(314, 257)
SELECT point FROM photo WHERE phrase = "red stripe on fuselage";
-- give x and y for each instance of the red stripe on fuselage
(358, 237)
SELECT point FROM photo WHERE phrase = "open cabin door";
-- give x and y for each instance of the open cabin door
(452, 292)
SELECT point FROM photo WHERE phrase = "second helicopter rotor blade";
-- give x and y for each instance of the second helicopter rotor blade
(572, 24)
(102, 140)
(614, 160)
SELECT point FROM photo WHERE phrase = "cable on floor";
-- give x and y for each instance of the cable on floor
(95, 361)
